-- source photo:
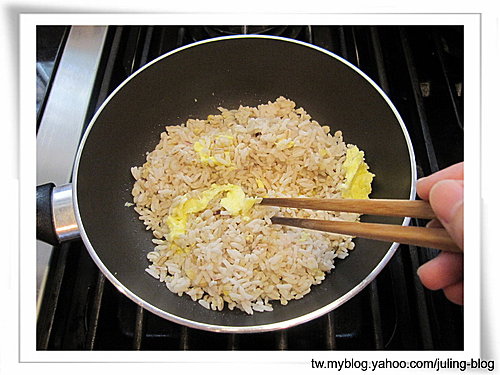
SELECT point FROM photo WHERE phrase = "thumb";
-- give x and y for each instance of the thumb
(447, 200)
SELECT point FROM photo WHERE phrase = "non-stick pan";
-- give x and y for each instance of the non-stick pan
(191, 82)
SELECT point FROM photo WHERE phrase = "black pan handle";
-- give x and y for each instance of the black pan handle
(45, 228)
(55, 215)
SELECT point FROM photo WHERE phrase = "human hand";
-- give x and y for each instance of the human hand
(445, 192)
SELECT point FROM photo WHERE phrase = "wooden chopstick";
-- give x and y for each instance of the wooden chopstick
(382, 207)
(435, 238)
(427, 237)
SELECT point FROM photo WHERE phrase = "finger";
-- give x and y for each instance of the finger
(455, 293)
(425, 184)
(444, 270)
(447, 201)
(434, 223)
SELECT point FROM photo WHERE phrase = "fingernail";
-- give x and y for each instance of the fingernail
(418, 271)
(446, 196)
(419, 181)
(434, 223)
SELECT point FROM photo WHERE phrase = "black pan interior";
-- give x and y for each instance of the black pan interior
(193, 83)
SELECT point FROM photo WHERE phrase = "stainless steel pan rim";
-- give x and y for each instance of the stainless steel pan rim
(255, 328)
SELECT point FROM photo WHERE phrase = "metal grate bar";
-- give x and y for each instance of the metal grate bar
(440, 53)
(343, 43)
(431, 154)
(376, 316)
(403, 314)
(49, 304)
(356, 49)
(309, 34)
(162, 42)
(139, 328)
(421, 303)
(81, 307)
(379, 59)
(323, 36)
(184, 338)
(147, 44)
(50, 82)
(330, 340)
(137, 47)
(282, 339)
(233, 341)
(181, 36)
(94, 315)
(166, 38)
(106, 80)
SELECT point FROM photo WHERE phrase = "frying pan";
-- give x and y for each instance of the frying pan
(191, 82)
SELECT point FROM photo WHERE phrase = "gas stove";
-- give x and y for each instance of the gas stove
(420, 68)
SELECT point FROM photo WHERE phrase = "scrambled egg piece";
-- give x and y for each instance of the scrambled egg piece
(358, 180)
(234, 201)
(284, 144)
(204, 149)
(323, 152)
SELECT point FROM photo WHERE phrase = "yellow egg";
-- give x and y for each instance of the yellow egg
(204, 147)
(260, 184)
(284, 144)
(358, 180)
(203, 150)
(316, 272)
(191, 274)
(234, 201)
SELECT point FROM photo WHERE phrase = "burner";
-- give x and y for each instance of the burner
(204, 32)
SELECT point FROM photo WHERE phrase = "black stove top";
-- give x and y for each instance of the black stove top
(421, 70)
